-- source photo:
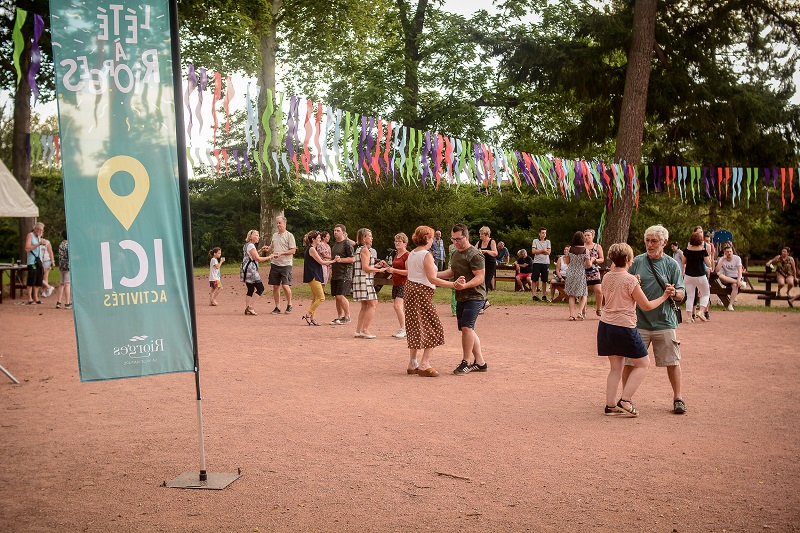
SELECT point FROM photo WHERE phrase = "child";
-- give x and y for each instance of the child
(213, 275)
(617, 336)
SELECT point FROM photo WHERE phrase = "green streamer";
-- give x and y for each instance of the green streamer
(268, 111)
(19, 42)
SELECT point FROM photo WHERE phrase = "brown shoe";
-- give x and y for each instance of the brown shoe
(250, 311)
(429, 372)
(412, 370)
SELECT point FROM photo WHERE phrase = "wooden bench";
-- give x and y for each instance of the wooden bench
(767, 293)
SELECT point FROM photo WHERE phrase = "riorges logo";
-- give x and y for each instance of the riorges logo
(139, 347)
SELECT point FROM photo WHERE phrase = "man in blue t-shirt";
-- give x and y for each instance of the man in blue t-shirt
(659, 326)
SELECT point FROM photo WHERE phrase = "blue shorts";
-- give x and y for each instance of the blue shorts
(467, 313)
(616, 340)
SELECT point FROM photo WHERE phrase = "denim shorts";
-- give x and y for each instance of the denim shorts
(467, 313)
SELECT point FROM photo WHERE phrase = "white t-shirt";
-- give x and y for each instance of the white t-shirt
(213, 271)
(542, 259)
(730, 268)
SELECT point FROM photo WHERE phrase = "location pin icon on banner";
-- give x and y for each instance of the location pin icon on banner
(124, 208)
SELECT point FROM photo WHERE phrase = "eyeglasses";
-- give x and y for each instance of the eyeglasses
(457, 239)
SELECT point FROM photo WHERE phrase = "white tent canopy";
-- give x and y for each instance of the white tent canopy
(14, 201)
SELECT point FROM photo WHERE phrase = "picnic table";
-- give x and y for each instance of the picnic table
(15, 283)
(768, 294)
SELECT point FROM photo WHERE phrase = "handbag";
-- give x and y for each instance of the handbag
(672, 303)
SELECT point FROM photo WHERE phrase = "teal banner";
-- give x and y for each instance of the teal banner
(116, 111)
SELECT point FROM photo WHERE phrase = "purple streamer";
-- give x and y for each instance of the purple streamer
(36, 56)
(247, 160)
(426, 150)
(361, 138)
(578, 178)
(435, 156)
(238, 162)
(370, 143)
(203, 83)
(190, 87)
(291, 125)
(774, 178)
(705, 178)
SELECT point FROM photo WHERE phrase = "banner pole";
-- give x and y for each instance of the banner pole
(183, 178)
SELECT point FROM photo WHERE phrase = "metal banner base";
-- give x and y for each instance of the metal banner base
(191, 480)
(12, 378)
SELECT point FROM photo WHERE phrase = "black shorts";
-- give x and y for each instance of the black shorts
(341, 287)
(257, 287)
(540, 271)
(280, 275)
(398, 291)
(35, 276)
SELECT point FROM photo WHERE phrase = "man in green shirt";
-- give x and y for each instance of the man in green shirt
(468, 268)
(659, 326)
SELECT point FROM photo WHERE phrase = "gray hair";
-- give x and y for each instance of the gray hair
(658, 231)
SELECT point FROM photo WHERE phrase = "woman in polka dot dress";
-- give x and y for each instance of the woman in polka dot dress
(423, 328)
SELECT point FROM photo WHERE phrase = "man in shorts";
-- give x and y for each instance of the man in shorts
(659, 326)
(468, 268)
(282, 249)
(540, 251)
(342, 274)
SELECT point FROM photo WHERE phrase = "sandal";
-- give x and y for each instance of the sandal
(250, 311)
(631, 411)
(582, 316)
(572, 318)
(307, 318)
(314, 323)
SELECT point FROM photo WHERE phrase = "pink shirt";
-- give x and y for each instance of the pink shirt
(620, 308)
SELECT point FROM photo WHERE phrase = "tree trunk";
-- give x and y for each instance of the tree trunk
(268, 48)
(20, 163)
(632, 115)
(412, 33)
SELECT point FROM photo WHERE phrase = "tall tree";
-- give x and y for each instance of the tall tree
(631, 122)
(20, 87)
(719, 93)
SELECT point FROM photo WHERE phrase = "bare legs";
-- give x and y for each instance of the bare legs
(400, 312)
(276, 294)
(365, 316)
(471, 346)
(342, 306)
(631, 382)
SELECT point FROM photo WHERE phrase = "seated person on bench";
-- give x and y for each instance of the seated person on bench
(785, 270)
(524, 266)
(729, 269)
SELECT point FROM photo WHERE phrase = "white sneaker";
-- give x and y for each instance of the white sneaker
(742, 284)
(48, 292)
(730, 307)
(400, 334)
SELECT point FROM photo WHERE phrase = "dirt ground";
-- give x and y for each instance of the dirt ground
(331, 434)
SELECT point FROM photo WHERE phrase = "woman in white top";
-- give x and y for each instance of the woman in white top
(423, 328)
(248, 272)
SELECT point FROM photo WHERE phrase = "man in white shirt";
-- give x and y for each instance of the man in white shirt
(540, 251)
(283, 248)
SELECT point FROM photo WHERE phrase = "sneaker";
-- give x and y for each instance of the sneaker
(707, 315)
(288, 309)
(400, 334)
(58, 305)
(68, 306)
(345, 320)
(463, 368)
(613, 411)
(679, 407)
(276, 311)
(336, 322)
(544, 299)
(730, 307)
(535, 298)
(48, 292)
(475, 367)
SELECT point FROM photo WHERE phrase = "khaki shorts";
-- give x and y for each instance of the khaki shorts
(666, 346)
